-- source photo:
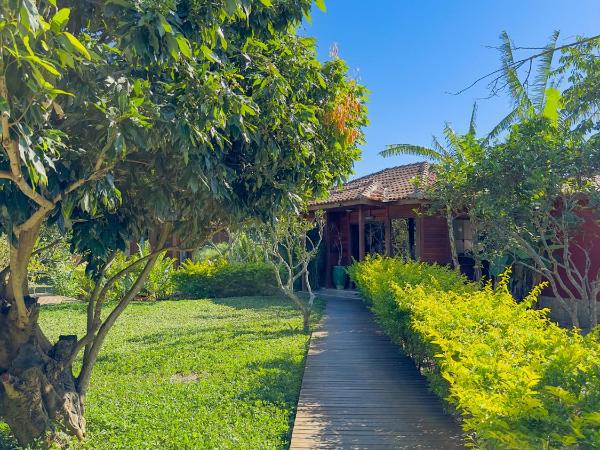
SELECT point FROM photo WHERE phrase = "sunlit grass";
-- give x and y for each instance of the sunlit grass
(192, 374)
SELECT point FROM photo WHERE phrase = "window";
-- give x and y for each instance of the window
(403, 238)
(463, 235)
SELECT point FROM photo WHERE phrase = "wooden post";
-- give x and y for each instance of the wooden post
(327, 243)
(349, 240)
(388, 233)
(419, 241)
(361, 233)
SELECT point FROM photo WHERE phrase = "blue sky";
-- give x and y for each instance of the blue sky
(409, 54)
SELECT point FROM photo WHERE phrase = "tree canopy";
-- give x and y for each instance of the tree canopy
(131, 119)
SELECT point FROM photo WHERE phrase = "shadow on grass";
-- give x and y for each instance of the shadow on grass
(177, 337)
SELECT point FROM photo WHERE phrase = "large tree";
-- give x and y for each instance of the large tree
(126, 119)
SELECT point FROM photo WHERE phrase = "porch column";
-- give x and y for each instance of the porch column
(349, 235)
(361, 233)
(327, 242)
(388, 233)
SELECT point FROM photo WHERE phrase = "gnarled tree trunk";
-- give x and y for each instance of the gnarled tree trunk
(38, 395)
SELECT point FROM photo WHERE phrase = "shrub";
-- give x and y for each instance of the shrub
(69, 279)
(221, 278)
(518, 380)
(159, 285)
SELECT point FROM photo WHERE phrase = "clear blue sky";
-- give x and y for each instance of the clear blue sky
(410, 53)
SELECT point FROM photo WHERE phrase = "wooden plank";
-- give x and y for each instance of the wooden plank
(359, 391)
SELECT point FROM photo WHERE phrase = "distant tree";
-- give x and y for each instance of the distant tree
(539, 192)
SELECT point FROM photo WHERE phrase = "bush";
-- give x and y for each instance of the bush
(159, 284)
(518, 380)
(69, 279)
(221, 278)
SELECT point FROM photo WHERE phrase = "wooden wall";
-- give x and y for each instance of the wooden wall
(432, 233)
(434, 241)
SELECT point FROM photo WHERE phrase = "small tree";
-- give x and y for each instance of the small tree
(453, 192)
(541, 195)
(291, 243)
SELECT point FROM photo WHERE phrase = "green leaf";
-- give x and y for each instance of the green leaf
(45, 64)
(184, 46)
(321, 5)
(78, 45)
(29, 15)
(267, 3)
(209, 54)
(222, 38)
(552, 105)
(60, 19)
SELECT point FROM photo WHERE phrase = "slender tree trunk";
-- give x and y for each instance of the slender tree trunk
(453, 252)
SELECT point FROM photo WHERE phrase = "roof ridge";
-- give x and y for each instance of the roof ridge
(388, 168)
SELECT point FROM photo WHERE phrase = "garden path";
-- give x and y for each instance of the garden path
(360, 392)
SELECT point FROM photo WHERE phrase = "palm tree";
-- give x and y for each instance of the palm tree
(458, 156)
(543, 99)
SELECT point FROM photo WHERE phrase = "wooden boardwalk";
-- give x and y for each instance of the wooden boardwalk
(360, 392)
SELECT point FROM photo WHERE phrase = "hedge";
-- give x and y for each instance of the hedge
(224, 279)
(517, 380)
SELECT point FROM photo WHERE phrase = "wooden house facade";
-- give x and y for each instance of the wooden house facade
(383, 213)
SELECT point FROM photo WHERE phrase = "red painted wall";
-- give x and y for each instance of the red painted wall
(435, 243)
(588, 237)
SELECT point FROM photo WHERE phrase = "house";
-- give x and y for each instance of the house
(386, 213)
(383, 213)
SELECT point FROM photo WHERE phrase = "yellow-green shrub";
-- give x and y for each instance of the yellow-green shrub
(519, 381)
(221, 278)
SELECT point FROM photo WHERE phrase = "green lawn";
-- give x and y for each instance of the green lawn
(246, 353)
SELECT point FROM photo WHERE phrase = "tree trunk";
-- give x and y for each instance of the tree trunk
(593, 307)
(453, 252)
(306, 320)
(38, 396)
(572, 311)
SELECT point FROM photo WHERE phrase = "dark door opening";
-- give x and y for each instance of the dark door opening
(404, 238)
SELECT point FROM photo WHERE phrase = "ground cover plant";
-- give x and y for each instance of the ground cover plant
(192, 374)
(517, 380)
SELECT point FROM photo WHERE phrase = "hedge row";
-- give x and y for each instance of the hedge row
(517, 380)
(224, 279)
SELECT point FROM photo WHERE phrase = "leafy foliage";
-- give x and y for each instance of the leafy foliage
(518, 380)
(221, 278)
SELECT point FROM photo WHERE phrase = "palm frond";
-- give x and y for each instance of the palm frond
(509, 70)
(409, 149)
(452, 139)
(506, 53)
(437, 146)
(544, 70)
(503, 125)
(473, 121)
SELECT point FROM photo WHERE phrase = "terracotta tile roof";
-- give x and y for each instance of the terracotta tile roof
(387, 185)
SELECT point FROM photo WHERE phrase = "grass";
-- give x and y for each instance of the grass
(192, 374)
